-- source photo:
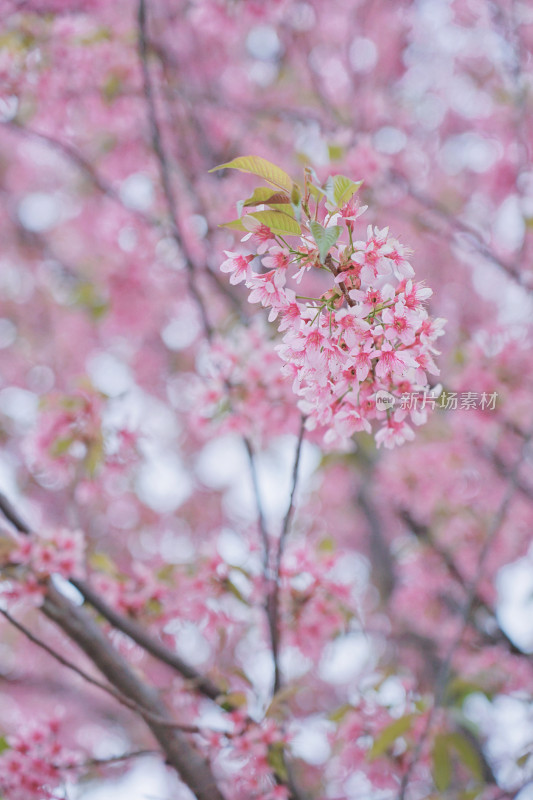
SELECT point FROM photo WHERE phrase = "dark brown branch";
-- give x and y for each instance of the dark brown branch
(460, 228)
(76, 158)
(294, 483)
(112, 760)
(423, 533)
(164, 166)
(192, 768)
(380, 556)
(58, 657)
(472, 589)
(117, 695)
(274, 594)
(259, 508)
(147, 642)
(121, 623)
(502, 469)
(11, 514)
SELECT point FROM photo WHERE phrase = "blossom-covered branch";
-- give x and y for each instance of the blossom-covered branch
(363, 342)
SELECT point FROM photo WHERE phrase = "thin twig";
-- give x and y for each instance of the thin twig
(460, 228)
(122, 699)
(104, 762)
(259, 508)
(11, 514)
(164, 167)
(121, 623)
(147, 642)
(274, 594)
(58, 657)
(502, 469)
(422, 532)
(194, 770)
(382, 562)
(444, 671)
(77, 159)
(294, 484)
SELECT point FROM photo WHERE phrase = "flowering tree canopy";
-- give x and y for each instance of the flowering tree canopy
(266, 494)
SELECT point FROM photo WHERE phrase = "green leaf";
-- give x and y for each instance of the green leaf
(340, 712)
(340, 189)
(94, 457)
(255, 165)
(278, 702)
(99, 35)
(234, 225)
(278, 222)
(467, 754)
(459, 689)
(233, 700)
(167, 574)
(232, 589)
(240, 673)
(112, 87)
(279, 201)
(316, 191)
(277, 761)
(296, 202)
(324, 237)
(87, 296)
(102, 563)
(442, 764)
(389, 736)
(469, 794)
(335, 152)
(61, 446)
(3, 744)
(154, 606)
(327, 545)
(263, 194)
(296, 195)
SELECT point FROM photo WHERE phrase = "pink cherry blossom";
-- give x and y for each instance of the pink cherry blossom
(238, 265)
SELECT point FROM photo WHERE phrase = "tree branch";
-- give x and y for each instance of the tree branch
(11, 514)
(460, 228)
(164, 167)
(422, 532)
(147, 642)
(117, 695)
(192, 768)
(259, 507)
(444, 671)
(274, 594)
(380, 556)
(121, 623)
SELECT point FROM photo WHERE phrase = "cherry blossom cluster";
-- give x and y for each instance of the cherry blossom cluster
(242, 390)
(256, 750)
(317, 601)
(68, 435)
(371, 730)
(367, 332)
(31, 560)
(35, 764)
(60, 552)
(172, 596)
